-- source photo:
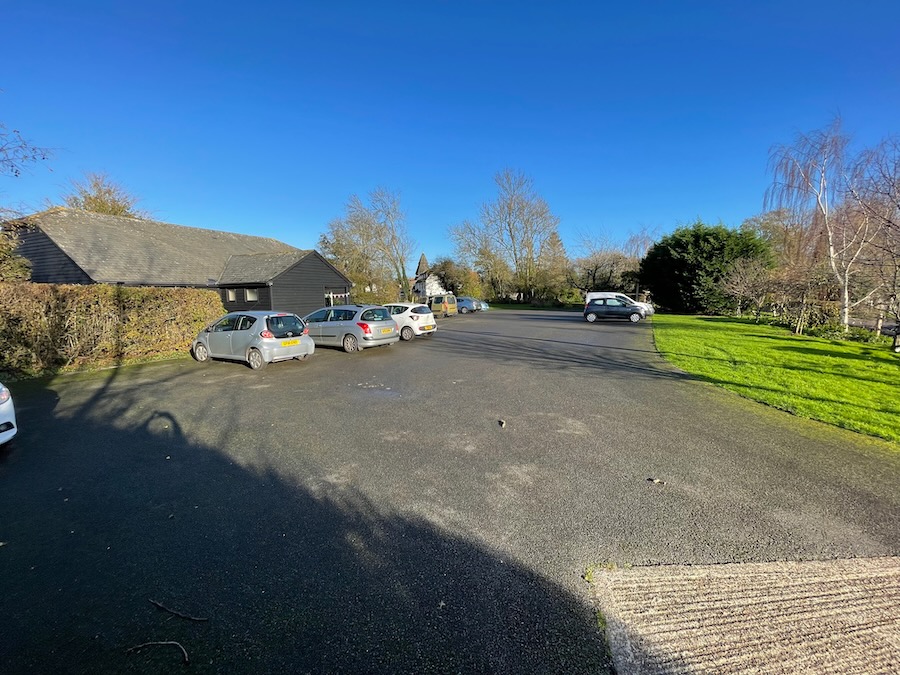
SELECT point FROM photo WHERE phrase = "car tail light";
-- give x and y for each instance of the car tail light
(414, 317)
(365, 327)
(267, 334)
(306, 330)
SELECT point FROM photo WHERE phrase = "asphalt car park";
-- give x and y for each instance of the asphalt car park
(430, 507)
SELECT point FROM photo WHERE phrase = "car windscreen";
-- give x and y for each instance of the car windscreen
(376, 314)
(420, 310)
(287, 325)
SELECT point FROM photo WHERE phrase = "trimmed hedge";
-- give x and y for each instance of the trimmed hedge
(47, 328)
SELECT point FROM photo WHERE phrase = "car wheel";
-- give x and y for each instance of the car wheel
(351, 344)
(464, 310)
(201, 353)
(302, 357)
(407, 333)
(256, 360)
(590, 318)
(634, 317)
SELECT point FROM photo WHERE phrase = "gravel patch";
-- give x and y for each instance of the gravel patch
(840, 616)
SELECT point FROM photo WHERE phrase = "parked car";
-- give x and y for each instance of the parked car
(466, 305)
(648, 308)
(413, 318)
(255, 337)
(353, 327)
(612, 308)
(8, 426)
(443, 305)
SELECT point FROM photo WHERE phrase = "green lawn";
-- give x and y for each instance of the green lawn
(850, 385)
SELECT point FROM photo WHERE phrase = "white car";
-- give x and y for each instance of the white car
(413, 318)
(646, 306)
(8, 426)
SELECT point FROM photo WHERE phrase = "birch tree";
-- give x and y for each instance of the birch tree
(875, 189)
(811, 175)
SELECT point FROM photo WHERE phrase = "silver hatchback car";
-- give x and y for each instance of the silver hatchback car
(353, 327)
(257, 338)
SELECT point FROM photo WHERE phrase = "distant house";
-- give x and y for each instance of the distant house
(70, 246)
(425, 283)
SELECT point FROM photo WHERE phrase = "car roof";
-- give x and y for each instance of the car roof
(355, 308)
(259, 313)
(349, 307)
(405, 304)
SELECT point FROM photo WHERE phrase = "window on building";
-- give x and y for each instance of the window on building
(336, 296)
(232, 295)
(251, 294)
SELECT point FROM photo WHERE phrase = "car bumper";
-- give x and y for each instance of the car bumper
(424, 330)
(277, 352)
(8, 426)
(378, 340)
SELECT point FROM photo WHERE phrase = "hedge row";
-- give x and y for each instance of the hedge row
(46, 328)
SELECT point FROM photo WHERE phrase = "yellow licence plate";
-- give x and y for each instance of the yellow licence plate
(427, 327)
(290, 343)
(387, 330)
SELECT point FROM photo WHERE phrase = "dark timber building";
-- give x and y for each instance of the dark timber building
(70, 246)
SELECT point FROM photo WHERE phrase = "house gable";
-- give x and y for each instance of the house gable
(49, 263)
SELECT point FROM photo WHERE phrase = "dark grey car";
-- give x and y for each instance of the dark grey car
(612, 308)
(353, 327)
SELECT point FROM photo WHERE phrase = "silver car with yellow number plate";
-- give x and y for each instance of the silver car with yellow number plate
(257, 338)
(353, 327)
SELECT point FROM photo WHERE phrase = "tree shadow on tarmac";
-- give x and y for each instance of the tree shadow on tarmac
(99, 516)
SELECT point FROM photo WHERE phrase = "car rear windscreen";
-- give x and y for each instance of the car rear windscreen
(376, 314)
(420, 310)
(285, 326)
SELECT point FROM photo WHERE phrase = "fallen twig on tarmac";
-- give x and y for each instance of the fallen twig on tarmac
(184, 653)
(176, 613)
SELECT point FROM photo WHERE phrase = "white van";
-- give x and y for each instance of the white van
(648, 308)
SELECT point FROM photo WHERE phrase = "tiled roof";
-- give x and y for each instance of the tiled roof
(114, 249)
(258, 268)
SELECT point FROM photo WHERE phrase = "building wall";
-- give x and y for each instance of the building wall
(49, 265)
(303, 288)
(427, 285)
(241, 303)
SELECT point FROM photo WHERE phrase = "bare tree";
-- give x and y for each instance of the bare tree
(16, 153)
(513, 228)
(604, 265)
(811, 175)
(638, 243)
(748, 281)
(394, 240)
(372, 246)
(98, 193)
(875, 189)
(475, 247)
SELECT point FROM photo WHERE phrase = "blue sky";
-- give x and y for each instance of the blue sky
(264, 117)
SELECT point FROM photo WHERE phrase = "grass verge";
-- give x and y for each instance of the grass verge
(847, 384)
